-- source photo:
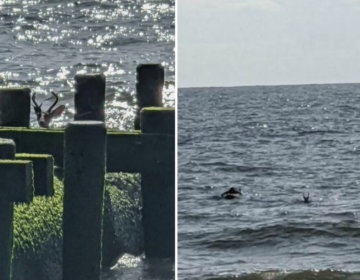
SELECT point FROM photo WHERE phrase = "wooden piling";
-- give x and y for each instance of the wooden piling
(43, 166)
(7, 151)
(16, 186)
(85, 148)
(15, 107)
(149, 87)
(158, 186)
(158, 121)
(90, 97)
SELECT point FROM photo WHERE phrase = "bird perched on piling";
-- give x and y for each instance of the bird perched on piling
(231, 193)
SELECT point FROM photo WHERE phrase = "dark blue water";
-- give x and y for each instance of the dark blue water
(45, 43)
(275, 143)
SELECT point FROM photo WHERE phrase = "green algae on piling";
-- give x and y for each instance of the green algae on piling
(38, 228)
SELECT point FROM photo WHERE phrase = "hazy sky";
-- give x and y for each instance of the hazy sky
(267, 42)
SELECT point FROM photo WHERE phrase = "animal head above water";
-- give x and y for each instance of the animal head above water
(306, 198)
(44, 117)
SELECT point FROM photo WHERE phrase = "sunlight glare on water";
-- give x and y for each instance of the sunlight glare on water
(45, 44)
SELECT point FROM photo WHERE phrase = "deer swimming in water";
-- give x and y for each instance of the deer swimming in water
(306, 198)
(44, 118)
(231, 193)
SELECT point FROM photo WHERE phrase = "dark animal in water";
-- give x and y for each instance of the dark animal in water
(44, 118)
(306, 198)
(231, 193)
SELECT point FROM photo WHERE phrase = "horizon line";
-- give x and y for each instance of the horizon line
(275, 85)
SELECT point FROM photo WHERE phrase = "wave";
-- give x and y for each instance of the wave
(309, 145)
(295, 275)
(247, 169)
(321, 132)
(347, 107)
(227, 167)
(184, 140)
(274, 234)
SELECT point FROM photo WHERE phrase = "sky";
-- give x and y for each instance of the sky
(268, 42)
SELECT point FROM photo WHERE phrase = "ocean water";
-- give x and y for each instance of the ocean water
(275, 143)
(45, 43)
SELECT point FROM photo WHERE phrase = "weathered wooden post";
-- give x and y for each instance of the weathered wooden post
(149, 87)
(16, 185)
(158, 182)
(15, 112)
(84, 175)
(90, 97)
(43, 167)
(15, 107)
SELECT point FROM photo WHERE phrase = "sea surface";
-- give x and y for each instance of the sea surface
(275, 143)
(45, 43)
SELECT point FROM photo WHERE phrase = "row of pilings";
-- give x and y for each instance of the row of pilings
(89, 97)
(85, 151)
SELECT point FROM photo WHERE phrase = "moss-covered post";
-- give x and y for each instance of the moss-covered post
(84, 171)
(90, 97)
(43, 167)
(16, 186)
(7, 151)
(149, 87)
(158, 182)
(15, 107)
